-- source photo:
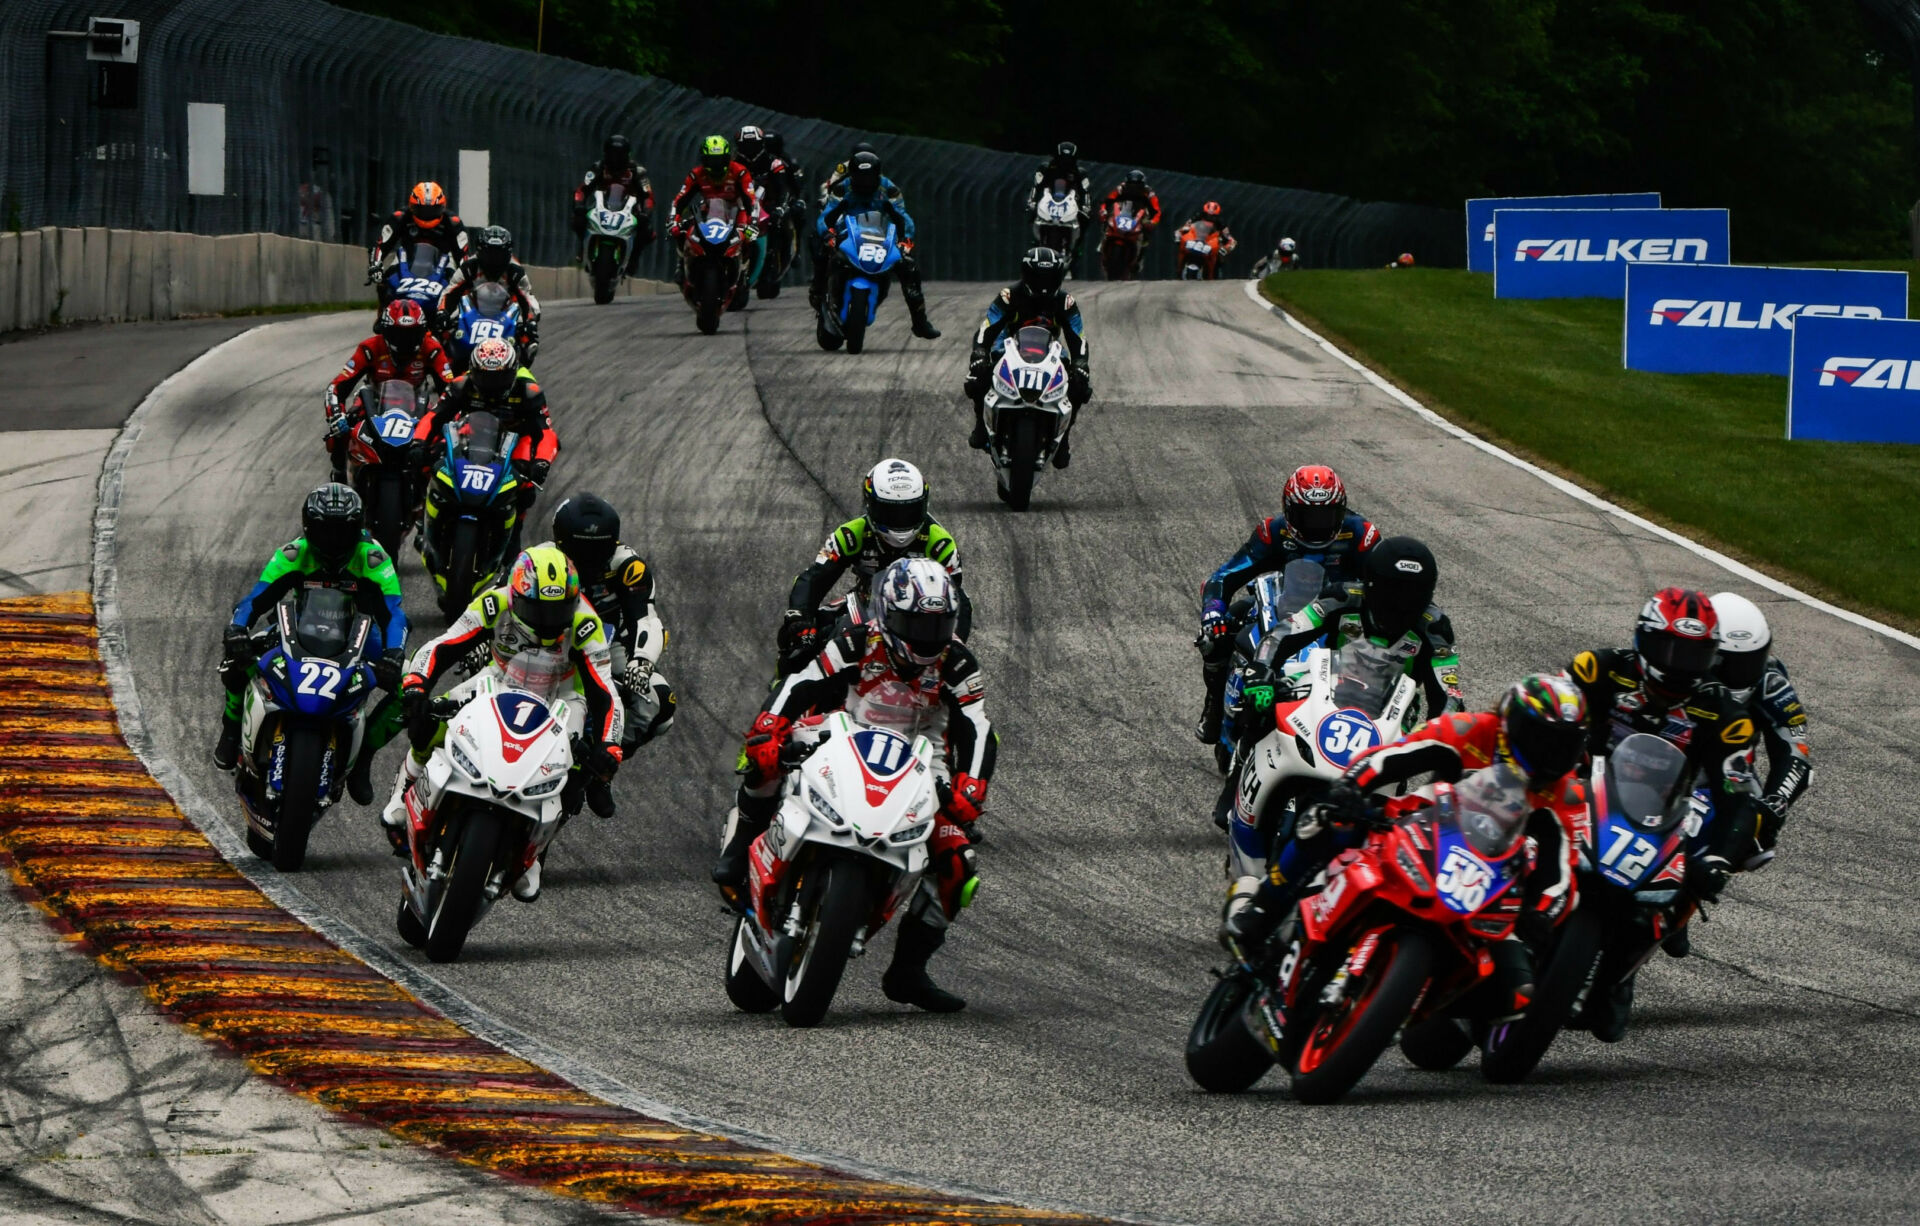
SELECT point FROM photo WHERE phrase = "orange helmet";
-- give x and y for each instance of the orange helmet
(1210, 209)
(428, 204)
(1405, 260)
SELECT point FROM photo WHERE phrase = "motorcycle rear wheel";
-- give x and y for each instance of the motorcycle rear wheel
(709, 298)
(299, 798)
(820, 956)
(855, 326)
(1513, 1050)
(1023, 454)
(1437, 1044)
(748, 992)
(460, 899)
(1348, 1037)
(1224, 1056)
(462, 565)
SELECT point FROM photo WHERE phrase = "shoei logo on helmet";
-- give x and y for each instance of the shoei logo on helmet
(1711, 313)
(1632, 250)
(1409, 566)
(1880, 374)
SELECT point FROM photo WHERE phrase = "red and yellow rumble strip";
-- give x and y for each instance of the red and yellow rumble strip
(102, 848)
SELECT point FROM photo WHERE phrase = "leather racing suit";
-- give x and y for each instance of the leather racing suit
(373, 361)
(624, 596)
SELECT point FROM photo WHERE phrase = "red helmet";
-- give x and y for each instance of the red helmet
(404, 325)
(1676, 638)
(1314, 504)
(1210, 209)
(428, 204)
(1405, 260)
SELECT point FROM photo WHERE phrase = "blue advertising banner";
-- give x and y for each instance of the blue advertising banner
(1687, 319)
(1584, 253)
(1855, 380)
(1480, 216)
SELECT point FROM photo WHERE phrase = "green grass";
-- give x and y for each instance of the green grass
(1704, 454)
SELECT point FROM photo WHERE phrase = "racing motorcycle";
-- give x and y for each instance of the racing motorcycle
(377, 457)
(1026, 410)
(420, 275)
(473, 518)
(1398, 934)
(1120, 245)
(864, 253)
(1261, 610)
(1056, 218)
(612, 226)
(303, 721)
(489, 801)
(1200, 250)
(710, 252)
(847, 848)
(489, 312)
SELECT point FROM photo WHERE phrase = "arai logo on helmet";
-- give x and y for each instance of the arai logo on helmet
(1881, 374)
(1409, 566)
(1689, 626)
(1708, 313)
(552, 591)
(1632, 250)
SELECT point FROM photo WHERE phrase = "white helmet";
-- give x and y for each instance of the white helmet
(914, 604)
(1286, 244)
(896, 501)
(1744, 639)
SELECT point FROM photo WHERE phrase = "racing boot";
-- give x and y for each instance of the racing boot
(226, 751)
(527, 888)
(1511, 986)
(978, 439)
(393, 818)
(906, 981)
(924, 329)
(1207, 731)
(743, 827)
(1678, 944)
(1607, 1016)
(1063, 454)
(360, 777)
(599, 796)
(337, 456)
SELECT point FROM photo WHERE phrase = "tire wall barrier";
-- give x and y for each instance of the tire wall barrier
(54, 275)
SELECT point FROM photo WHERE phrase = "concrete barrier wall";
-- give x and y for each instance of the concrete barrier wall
(54, 275)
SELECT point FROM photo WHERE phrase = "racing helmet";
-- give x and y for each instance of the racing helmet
(895, 498)
(403, 325)
(863, 172)
(1744, 639)
(1313, 504)
(616, 154)
(1676, 637)
(493, 366)
(751, 143)
(715, 155)
(586, 528)
(495, 251)
(1137, 178)
(1288, 246)
(427, 202)
(914, 606)
(1067, 152)
(1396, 585)
(331, 521)
(1211, 210)
(1042, 271)
(1405, 260)
(1543, 728)
(543, 592)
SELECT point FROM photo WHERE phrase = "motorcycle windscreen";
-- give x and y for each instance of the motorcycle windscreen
(426, 257)
(1033, 343)
(540, 671)
(871, 226)
(719, 208)
(397, 396)
(1647, 782)
(1202, 230)
(1367, 674)
(324, 626)
(491, 299)
(479, 438)
(614, 197)
(1490, 809)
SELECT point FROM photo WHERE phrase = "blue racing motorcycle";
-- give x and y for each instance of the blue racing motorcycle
(473, 509)
(868, 247)
(420, 275)
(487, 313)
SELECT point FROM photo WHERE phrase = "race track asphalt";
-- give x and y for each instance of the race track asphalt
(1771, 1078)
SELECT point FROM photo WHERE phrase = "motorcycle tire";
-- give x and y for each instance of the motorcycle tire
(1113, 262)
(1348, 1038)
(460, 899)
(463, 564)
(709, 299)
(388, 520)
(606, 278)
(1512, 1050)
(841, 903)
(299, 798)
(1023, 458)
(769, 286)
(259, 844)
(748, 992)
(1224, 1055)
(1437, 1044)
(855, 327)
(412, 931)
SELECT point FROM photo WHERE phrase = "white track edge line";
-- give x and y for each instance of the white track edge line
(284, 894)
(1583, 494)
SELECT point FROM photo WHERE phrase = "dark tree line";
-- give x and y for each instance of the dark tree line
(1797, 114)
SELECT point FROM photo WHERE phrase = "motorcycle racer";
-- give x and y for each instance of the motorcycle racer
(1211, 211)
(1036, 298)
(867, 190)
(496, 382)
(1146, 202)
(492, 261)
(832, 189)
(1065, 164)
(403, 349)
(424, 220)
(539, 608)
(621, 589)
(1314, 522)
(332, 551)
(616, 167)
(894, 524)
(717, 175)
(1755, 676)
(904, 671)
(1664, 685)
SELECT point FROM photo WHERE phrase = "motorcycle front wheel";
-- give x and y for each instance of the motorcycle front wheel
(748, 992)
(463, 561)
(388, 520)
(1023, 459)
(819, 957)
(1349, 1036)
(1437, 1044)
(299, 798)
(855, 327)
(460, 898)
(709, 298)
(606, 277)
(1224, 1055)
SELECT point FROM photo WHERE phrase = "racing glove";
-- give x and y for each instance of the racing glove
(797, 633)
(236, 649)
(965, 799)
(634, 676)
(1214, 626)
(1079, 386)
(413, 707)
(386, 674)
(977, 383)
(1707, 876)
(764, 741)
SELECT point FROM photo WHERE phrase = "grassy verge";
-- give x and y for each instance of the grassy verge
(1704, 454)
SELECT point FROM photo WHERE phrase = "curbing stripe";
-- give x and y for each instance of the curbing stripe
(1581, 493)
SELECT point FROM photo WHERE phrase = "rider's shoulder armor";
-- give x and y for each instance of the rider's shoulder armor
(294, 550)
(1610, 668)
(1438, 629)
(588, 632)
(371, 557)
(626, 568)
(850, 538)
(1778, 702)
(939, 543)
(491, 605)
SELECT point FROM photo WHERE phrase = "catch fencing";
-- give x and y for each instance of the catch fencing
(328, 116)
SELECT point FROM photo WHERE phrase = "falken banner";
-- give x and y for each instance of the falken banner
(1584, 253)
(1855, 380)
(1688, 319)
(1480, 216)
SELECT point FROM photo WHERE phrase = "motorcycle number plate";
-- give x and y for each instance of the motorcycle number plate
(396, 427)
(872, 253)
(476, 478)
(1345, 735)
(715, 230)
(608, 219)
(1464, 880)
(486, 330)
(1198, 246)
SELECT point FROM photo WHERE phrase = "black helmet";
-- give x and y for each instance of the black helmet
(616, 154)
(1042, 270)
(1397, 583)
(1066, 151)
(862, 147)
(586, 527)
(1137, 176)
(495, 250)
(331, 521)
(863, 173)
(750, 144)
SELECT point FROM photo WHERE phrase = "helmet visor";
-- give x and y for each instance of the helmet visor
(429, 214)
(897, 517)
(1314, 525)
(1043, 280)
(922, 635)
(1741, 670)
(549, 620)
(333, 540)
(591, 557)
(1546, 749)
(1675, 657)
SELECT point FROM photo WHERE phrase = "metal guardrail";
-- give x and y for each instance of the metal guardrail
(331, 115)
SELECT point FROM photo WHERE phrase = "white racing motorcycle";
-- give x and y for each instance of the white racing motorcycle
(845, 852)
(1026, 410)
(488, 802)
(1056, 218)
(612, 225)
